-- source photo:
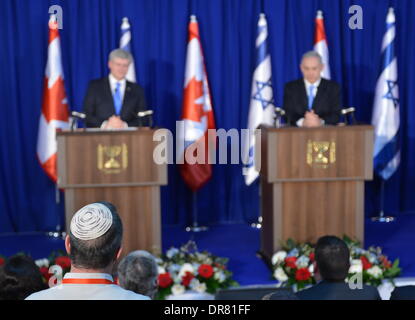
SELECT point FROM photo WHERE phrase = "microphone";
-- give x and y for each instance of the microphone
(148, 113)
(279, 113)
(349, 112)
(78, 115)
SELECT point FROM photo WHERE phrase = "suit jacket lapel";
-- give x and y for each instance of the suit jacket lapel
(127, 96)
(303, 97)
(320, 93)
(109, 93)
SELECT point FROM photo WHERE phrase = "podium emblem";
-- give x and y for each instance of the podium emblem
(321, 154)
(112, 159)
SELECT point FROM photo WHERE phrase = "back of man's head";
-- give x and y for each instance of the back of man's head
(95, 236)
(332, 258)
(138, 272)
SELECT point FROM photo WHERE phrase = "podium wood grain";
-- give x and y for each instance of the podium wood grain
(304, 201)
(135, 190)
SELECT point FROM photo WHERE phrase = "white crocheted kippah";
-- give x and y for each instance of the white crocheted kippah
(91, 221)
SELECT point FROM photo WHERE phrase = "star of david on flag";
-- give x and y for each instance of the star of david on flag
(262, 105)
(385, 116)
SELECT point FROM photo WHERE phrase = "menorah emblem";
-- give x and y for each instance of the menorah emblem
(317, 153)
(112, 159)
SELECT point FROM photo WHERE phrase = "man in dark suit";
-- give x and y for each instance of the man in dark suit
(312, 101)
(113, 102)
(332, 265)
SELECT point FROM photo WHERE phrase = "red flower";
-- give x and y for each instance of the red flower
(205, 271)
(45, 273)
(164, 280)
(2, 261)
(187, 278)
(312, 256)
(386, 263)
(366, 264)
(302, 274)
(290, 262)
(63, 262)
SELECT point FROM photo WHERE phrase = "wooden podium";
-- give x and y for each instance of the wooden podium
(312, 183)
(115, 166)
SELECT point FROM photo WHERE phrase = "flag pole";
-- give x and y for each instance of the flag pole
(381, 217)
(258, 224)
(195, 224)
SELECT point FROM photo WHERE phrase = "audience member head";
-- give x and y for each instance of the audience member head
(311, 66)
(118, 62)
(138, 272)
(20, 277)
(94, 240)
(332, 258)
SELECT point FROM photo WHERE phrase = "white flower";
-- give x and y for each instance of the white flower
(196, 266)
(278, 257)
(174, 268)
(42, 263)
(177, 289)
(201, 287)
(220, 276)
(293, 253)
(280, 275)
(302, 262)
(311, 268)
(172, 252)
(375, 272)
(187, 267)
(161, 269)
(356, 266)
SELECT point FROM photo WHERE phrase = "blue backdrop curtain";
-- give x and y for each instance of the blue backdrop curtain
(91, 28)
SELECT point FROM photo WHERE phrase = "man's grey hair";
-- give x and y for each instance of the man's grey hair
(120, 53)
(138, 272)
(312, 54)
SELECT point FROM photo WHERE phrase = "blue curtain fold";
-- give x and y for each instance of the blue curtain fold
(91, 28)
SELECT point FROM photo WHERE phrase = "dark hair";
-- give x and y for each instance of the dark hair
(138, 272)
(332, 257)
(19, 278)
(98, 253)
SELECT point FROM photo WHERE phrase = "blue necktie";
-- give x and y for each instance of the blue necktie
(117, 99)
(310, 97)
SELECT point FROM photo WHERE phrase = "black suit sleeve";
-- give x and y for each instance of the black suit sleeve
(139, 105)
(288, 106)
(90, 107)
(335, 99)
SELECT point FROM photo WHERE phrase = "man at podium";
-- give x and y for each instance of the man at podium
(312, 101)
(113, 102)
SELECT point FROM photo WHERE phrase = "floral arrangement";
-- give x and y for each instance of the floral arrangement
(56, 258)
(294, 264)
(185, 269)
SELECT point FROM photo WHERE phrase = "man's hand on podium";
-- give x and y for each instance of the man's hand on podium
(312, 120)
(115, 122)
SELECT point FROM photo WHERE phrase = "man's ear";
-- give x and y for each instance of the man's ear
(67, 245)
(118, 253)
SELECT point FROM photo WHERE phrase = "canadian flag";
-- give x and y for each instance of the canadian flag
(197, 116)
(54, 115)
(320, 44)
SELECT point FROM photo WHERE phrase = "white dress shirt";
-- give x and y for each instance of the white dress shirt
(87, 291)
(314, 93)
(113, 85)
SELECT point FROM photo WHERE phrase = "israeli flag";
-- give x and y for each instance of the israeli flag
(125, 44)
(262, 105)
(385, 116)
